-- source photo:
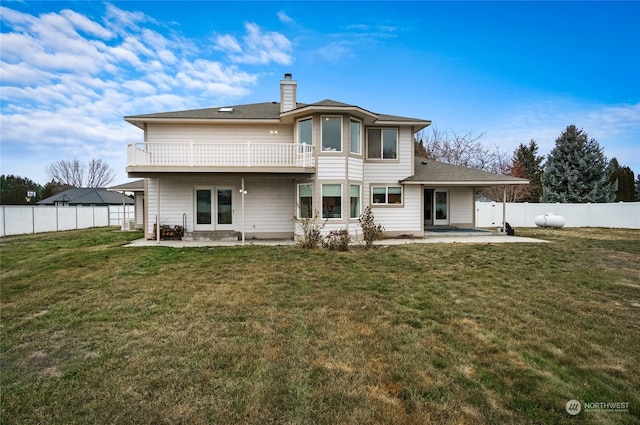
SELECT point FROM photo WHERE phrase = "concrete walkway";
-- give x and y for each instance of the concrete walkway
(489, 238)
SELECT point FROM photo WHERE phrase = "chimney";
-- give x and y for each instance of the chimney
(287, 93)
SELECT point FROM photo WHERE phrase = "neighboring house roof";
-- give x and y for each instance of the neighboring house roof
(87, 196)
(432, 172)
(266, 111)
(134, 186)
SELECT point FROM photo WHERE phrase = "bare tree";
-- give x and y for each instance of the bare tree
(467, 150)
(100, 174)
(72, 172)
(456, 148)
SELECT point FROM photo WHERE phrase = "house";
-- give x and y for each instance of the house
(86, 196)
(252, 168)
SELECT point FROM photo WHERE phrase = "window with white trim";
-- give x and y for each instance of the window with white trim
(331, 137)
(386, 195)
(382, 143)
(305, 131)
(355, 136)
(331, 201)
(354, 201)
(305, 201)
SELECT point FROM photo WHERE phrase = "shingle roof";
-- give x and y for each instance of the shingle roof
(87, 196)
(256, 111)
(265, 110)
(429, 171)
(134, 186)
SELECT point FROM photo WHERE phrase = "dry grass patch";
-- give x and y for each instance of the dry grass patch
(462, 334)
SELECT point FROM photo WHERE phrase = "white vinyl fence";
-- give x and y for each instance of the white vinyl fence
(22, 219)
(624, 215)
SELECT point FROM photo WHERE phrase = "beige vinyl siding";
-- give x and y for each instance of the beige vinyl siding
(461, 205)
(356, 168)
(269, 203)
(393, 170)
(331, 167)
(221, 133)
(139, 209)
(401, 219)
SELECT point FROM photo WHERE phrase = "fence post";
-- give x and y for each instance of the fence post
(33, 219)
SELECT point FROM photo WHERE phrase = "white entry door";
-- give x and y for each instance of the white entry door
(441, 210)
(213, 207)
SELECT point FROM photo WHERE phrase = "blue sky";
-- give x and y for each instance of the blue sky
(510, 71)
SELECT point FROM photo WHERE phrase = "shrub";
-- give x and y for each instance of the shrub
(371, 231)
(337, 240)
(311, 236)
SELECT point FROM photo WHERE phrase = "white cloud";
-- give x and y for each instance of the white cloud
(257, 47)
(285, 19)
(68, 79)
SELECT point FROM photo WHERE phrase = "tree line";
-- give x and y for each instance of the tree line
(575, 171)
(64, 174)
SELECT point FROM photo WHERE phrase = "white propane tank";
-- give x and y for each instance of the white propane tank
(550, 220)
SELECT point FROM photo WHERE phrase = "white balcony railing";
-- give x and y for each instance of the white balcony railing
(195, 154)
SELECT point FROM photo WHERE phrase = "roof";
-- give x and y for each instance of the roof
(266, 111)
(432, 172)
(87, 196)
(134, 186)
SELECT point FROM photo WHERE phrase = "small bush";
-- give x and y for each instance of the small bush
(311, 236)
(337, 240)
(371, 231)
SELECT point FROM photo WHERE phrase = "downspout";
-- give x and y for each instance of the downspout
(158, 209)
(243, 192)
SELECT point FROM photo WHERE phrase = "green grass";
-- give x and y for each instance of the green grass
(92, 332)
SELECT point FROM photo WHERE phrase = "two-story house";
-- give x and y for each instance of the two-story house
(252, 168)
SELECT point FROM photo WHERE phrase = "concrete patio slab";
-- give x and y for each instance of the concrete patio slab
(443, 238)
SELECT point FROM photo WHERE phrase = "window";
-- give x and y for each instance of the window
(331, 134)
(354, 201)
(386, 195)
(331, 201)
(305, 201)
(305, 131)
(355, 136)
(382, 143)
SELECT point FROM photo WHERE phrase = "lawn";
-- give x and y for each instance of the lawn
(93, 332)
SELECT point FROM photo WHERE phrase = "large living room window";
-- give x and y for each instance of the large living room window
(331, 201)
(305, 131)
(382, 143)
(331, 134)
(386, 195)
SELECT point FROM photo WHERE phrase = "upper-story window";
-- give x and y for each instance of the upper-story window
(305, 131)
(331, 134)
(382, 143)
(355, 136)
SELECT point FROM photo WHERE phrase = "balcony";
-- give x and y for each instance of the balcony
(193, 157)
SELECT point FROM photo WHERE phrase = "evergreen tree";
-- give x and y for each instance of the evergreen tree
(576, 170)
(638, 188)
(624, 177)
(529, 164)
(13, 190)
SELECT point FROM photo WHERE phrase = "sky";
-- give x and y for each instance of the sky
(507, 71)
